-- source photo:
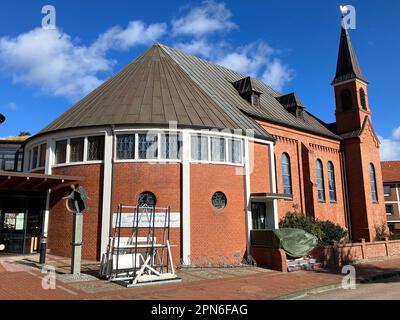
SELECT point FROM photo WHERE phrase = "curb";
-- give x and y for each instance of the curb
(325, 288)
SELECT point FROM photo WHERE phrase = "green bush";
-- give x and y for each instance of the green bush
(325, 231)
(331, 231)
(301, 221)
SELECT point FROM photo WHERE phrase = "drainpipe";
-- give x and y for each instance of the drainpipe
(346, 193)
(112, 174)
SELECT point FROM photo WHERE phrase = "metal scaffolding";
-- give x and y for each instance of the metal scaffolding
(139, 259)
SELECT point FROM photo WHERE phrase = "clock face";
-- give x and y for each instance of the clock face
(2, 247)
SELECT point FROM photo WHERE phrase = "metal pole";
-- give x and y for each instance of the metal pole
(77, 242)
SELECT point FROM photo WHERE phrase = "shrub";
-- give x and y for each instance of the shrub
(301, 221)
(325, 231)
(332, 231)
(381, 232)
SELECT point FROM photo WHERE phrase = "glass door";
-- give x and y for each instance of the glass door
(258, 212)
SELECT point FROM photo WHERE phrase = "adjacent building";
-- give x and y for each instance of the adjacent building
(225, 151)
(391, 188)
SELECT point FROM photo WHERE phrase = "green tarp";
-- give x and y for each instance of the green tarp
(296, 242)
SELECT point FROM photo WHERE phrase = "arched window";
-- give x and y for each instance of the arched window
(372, 178)
(287, 180)
(362, 99)
(147, 199)
(320, 181)
(346, 100)
(331, 181)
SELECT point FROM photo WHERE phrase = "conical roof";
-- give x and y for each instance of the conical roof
(153, 90)
(347, 64)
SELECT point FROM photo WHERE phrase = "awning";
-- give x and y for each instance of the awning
(270, 196)
(25, 181)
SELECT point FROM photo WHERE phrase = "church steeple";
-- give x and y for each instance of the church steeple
(350, 87)
(347, 64)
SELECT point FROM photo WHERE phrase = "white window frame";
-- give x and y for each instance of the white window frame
(30, 156)
(159, 133)
(68, 152)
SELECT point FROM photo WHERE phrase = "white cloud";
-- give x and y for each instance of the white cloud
(259, 60)
(51, 60)
(390, 147)
(136, 33)
(209, 17)
(200, 47)
(396, 133)
(12, 106)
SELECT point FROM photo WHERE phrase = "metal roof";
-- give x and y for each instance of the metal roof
(165, 84)
(347, 64)
(217, 82)
(154, 90)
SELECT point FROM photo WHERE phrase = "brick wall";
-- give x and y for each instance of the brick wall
(338, 255)
(217, 232)
(60, 221)
(304, 149)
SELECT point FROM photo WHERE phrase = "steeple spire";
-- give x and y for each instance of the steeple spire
(347, 63)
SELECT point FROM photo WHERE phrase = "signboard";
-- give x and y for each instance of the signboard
(145, 220)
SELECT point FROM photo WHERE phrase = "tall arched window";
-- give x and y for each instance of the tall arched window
(331, 181)
(372, 178)
(346, 100)
(286, 176)
(320, 181)
(362, 99)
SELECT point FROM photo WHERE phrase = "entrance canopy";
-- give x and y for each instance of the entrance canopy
(24, 181)
(263, 196)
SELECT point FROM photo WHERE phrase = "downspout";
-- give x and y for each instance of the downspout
(346, 193)
(112, 175)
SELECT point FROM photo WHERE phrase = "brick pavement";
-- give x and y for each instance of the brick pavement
(21, 280)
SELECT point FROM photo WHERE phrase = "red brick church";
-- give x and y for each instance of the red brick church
(226, 152)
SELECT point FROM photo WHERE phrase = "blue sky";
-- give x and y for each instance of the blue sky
(291, 45)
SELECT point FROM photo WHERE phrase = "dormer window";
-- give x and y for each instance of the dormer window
(248, 89)
(292, 104)
(255, 100)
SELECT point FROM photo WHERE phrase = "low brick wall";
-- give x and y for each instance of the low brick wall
(270, 258)
(337, 255)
